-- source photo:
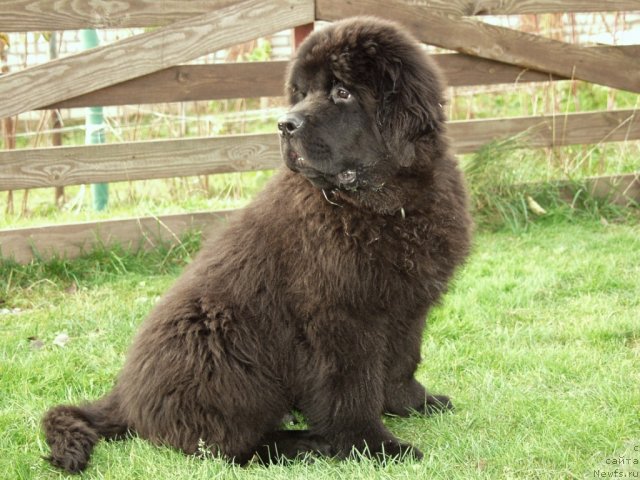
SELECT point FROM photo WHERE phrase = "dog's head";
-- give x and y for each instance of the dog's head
(362, 93)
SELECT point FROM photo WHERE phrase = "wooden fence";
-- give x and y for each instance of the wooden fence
(132, 71)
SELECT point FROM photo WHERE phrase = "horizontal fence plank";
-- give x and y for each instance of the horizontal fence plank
(72, 240)
(137, 161)
(266, 79)
(618, 189)
(59, 166)
(462, 70)
(618, 69)
(324, 8)
(515, 7)
(548, 130)
(190, 83)
(46, 15)
(148, 52)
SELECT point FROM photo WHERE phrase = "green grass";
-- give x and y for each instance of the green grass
(538, 343)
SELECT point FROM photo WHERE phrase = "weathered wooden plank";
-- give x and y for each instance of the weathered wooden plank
(46, 15)
(137, 161)
(190, 83)
(617, 68)
(520, 7)
(462, 70)
(618, 189)
(146, 53)
(263, 79)
(45, 167)
(548, 130)
(71, 240)
(325, 8)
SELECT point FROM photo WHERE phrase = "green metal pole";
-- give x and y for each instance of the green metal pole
(94, 125)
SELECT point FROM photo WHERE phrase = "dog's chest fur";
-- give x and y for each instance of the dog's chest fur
(363, 260)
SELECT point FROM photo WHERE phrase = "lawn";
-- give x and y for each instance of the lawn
(537, 342)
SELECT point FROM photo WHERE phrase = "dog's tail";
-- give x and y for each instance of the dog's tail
(72, 431)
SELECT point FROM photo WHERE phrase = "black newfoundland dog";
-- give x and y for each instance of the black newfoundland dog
(314, 297)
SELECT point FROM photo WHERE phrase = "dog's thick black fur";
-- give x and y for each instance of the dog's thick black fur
(315, 296)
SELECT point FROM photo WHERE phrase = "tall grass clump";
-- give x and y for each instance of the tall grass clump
(512, 186)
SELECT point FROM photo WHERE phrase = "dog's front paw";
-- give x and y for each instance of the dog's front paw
(394, 450)
(436, 404)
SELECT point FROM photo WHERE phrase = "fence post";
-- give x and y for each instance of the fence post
(56, 121)
(94, 125)
(300, 33)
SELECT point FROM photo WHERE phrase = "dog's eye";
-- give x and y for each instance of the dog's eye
(342, 93)
(297, 95)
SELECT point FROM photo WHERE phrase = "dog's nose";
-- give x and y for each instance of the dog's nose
(289, 123)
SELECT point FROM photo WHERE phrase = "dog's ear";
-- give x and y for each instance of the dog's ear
(410, 103)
